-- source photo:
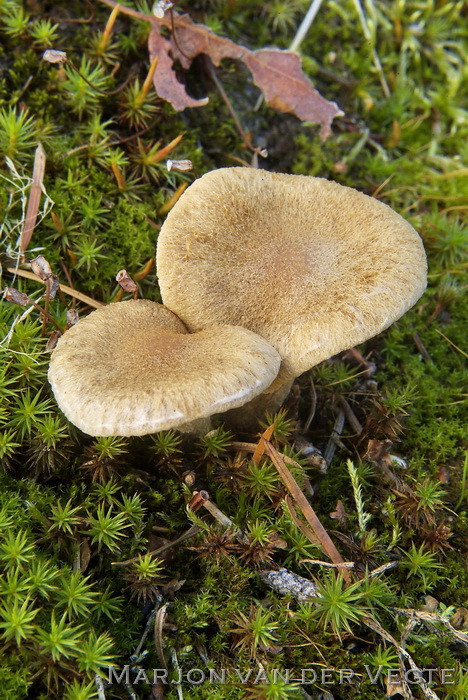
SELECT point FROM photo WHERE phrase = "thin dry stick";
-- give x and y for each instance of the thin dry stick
(115, 143)
(135, 657)
(422, 348)
(432, 619)
(191, 532)
(34, 198)
(9, 296)
(269, 578)
(351, 416)
(158, 632)
(219, 515)
(336, 432)
(313, 405)
(402, 653)
(47, 282)
(304, 505)
(384, 567)
(67, 290)
(216, 513)
(242, 133)
(46, 315)
(306, 531)
(252, 447)
(260, 448)
(344, 565)
(383, 184)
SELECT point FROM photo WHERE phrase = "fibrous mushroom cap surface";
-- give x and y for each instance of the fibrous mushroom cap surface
(131, 368)
(312, 266)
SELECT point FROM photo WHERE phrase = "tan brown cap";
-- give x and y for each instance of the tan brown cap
(131, 368)
(313, 267)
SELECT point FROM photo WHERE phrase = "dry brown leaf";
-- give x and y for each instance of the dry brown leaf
(85, 554)
(340, 514)
(166, 83)
(260, 449)
(276, 72)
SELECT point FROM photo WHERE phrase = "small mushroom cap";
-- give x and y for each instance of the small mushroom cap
(131, 369)
(310, 265)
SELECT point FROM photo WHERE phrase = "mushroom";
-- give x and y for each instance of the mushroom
(310, 265)
(132, 368)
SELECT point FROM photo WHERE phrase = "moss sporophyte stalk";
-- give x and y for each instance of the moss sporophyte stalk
(187, 560)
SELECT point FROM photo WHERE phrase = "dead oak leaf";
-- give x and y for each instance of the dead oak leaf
(165, 79)
(277, 73)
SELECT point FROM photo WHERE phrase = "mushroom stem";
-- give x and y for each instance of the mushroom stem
(247, 417)
(200, 426)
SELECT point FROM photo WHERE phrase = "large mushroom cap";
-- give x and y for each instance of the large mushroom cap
(131, 369)
(310, 265)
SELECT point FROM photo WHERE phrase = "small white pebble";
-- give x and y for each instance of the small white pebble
(181, 166)
(54, 56)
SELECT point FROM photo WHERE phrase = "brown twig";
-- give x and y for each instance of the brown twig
(23, 90)
(251, 447)
(260, 448)
(351, 416)
(422, 348)
(158, 632)
(242, 133)
(106, 93)
(319, 562)
(67, 290)
(15, 297)
(336, 432)
(191, 532)
(34, 198)
(431, 619)
(306, 531)
(304, 505)
(46, 315)
(215, 512)
(174, 36)
(115, 143)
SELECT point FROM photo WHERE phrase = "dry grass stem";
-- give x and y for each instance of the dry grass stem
(451, 343)
(34, 198)
(67, 290)
(304, 505)
(191, 532)
(158, 634)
